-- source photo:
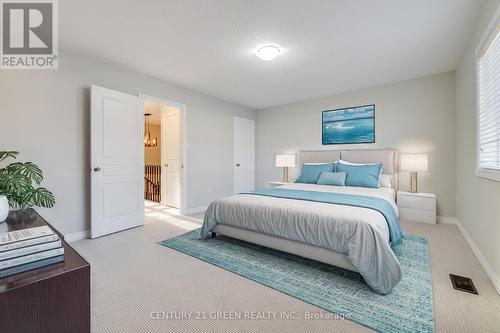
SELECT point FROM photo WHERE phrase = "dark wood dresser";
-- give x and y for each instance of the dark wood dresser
(54, 298)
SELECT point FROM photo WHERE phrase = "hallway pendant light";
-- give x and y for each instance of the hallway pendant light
(147, 134)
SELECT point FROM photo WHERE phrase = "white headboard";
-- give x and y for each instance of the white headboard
(388, 157)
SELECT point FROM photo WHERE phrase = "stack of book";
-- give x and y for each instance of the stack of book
(28, 249)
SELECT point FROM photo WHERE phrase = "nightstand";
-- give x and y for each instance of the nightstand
(420, 207)
(276, 184)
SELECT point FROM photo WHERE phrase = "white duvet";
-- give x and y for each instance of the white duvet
(362, 234)
(369, 215)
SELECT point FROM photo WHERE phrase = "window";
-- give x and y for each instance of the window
(488, 103)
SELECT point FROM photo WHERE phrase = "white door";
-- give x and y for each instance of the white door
(244, 155)
(117, 162)
(171, 158)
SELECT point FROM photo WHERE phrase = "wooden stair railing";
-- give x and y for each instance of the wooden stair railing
(152, 182)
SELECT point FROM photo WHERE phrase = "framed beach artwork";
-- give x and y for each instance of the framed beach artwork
(349, 125)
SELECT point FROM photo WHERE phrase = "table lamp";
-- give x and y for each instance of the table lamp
(285, 161)
(414, 163)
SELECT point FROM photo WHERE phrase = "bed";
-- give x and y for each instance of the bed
(344, 226)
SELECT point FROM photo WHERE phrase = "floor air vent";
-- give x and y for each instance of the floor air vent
(463, 283)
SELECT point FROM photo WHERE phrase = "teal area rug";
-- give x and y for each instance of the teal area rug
(408, 308)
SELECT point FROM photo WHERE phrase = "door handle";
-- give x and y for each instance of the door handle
(237, 164)
(96, 169)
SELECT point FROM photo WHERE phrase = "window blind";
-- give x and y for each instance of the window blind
(489, 104)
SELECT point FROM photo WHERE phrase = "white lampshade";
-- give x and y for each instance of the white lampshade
(285, 161)
(414, 162)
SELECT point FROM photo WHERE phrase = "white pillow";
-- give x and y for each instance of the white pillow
(351, 163)
(318, 163)
(384, 180)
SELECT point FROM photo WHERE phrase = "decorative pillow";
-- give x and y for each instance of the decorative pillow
(332, 178)
(323, 163)
(310, 172)
(361, 175)
(384, 179)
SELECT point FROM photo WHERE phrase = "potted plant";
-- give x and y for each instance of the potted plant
(19, 187)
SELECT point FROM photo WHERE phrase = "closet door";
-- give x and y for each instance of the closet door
(244, 155)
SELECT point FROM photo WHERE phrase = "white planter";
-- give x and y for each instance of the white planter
(4, 208)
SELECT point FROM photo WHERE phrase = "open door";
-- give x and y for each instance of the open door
(117, 159)
(171, 157)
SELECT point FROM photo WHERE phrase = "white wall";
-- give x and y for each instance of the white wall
(478, 199)
(45, 115)
(416, 116)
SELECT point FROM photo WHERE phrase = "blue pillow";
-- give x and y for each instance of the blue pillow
(310, 172)
(332, 178)
(361, 175)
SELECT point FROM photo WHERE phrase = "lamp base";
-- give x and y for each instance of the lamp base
(413, 182)
(284, 179)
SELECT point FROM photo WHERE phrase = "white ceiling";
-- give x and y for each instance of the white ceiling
(155, 110)
(330, 46)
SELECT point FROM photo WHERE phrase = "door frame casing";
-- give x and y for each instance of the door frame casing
(183, 115)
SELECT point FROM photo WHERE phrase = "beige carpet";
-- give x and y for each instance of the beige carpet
(134, 279)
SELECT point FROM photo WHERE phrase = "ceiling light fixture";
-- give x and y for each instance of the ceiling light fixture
(268, 52)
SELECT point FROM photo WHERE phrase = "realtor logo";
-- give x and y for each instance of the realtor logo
(29, 34)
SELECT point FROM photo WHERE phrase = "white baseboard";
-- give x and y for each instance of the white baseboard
(195, 210)
(482, 260)
(447, 220)
(77, 236)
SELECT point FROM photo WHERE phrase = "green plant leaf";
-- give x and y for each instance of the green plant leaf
(6, 154)
(13, 183)
(41, 197)
(16, 181)
(28, 169)
(14, 200)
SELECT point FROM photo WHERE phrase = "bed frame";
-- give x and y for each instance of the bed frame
(388, 157)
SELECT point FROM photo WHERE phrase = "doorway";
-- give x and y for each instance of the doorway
(164, 167)
(120, 136)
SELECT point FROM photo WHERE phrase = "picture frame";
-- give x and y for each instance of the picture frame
(350, 125)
